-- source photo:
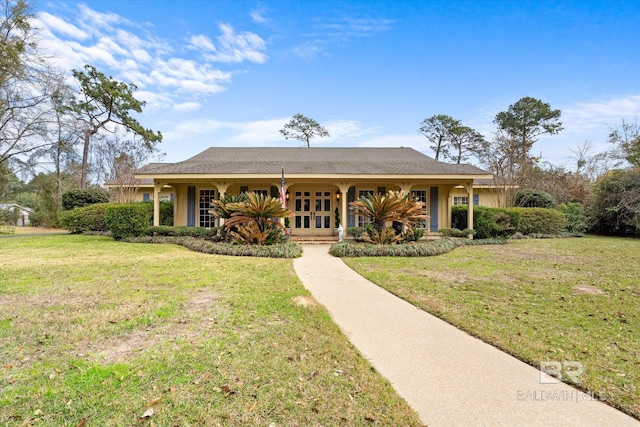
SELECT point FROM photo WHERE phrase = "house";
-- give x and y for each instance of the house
(317, 182)
(23, 213)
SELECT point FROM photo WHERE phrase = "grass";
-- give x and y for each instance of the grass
(540, 300)
(99, 332)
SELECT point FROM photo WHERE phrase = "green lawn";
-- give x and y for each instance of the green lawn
(99, 332)
(540, 300)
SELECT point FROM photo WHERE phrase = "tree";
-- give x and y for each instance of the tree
(116, 159)
(27, 83)
(526, 120)
(465, 142)
(304, 129)
(615, 208)
(450, 139)
(439, 130)
(102, 101)
(626, 139)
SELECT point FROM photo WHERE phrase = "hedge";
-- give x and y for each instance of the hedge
(87, 219)
(433, 248)
(487, 222)
(128, 220)
(504, 222)
(214, 234)
(280, 250)
(83, 197)
(540, 221)
(534, 199)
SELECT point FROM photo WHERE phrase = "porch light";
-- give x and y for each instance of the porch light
(287, 195)
(337, 195)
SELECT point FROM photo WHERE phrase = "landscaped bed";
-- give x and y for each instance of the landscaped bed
(558, 300)
(100, 332)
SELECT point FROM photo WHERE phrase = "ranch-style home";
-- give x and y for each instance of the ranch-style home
(317, 182)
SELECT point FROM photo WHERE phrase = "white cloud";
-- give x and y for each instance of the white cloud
(341, 31)
(57, 25)
(258, 15)
(187, 106)
(128, 51)
(345, 130)
(587, 116)
(202, 42)
(237, 47)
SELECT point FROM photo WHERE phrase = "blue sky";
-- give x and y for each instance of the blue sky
(232, 73)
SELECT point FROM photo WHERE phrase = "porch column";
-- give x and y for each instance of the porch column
(405, 187)
(343, 187)
(157, 186)
(222, 192)
(469, 188)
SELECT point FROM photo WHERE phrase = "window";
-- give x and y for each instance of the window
(421, 195)
(146, 197)
(363, 221)
(262, 192)
(464, 200)
(460, 200)
(206, 219)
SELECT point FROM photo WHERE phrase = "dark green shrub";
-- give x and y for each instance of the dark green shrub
(454, 232)
(575, 217)
(357, 233)
(9, 216)
(487, 222)
(128, 220)
(83, 197)
(615, 206)
(540, 221)
(534, 199)
(412, 235)
(213, 234)
(87, 219)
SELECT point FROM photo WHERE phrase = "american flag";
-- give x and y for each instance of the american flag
(283, 195)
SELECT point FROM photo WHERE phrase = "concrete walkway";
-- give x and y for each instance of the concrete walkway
(447, 376)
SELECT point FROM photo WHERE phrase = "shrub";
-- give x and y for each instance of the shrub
(540, 221)
(282, 250)
(83, 197)
(357, 233)
(575, 217)
(412, 235)
(82, 220)
(534, 199)
(615, 208)
(454, 232)
(128, 220)
(487, 222)
(9, 216)
(252, 219)
(436, 247)
(214, 234)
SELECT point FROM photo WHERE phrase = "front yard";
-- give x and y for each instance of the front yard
(559, 300)
(103, 333)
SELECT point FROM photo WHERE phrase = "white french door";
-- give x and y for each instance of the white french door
(312, 211)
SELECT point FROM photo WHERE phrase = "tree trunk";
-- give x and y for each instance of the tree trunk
(85, 158)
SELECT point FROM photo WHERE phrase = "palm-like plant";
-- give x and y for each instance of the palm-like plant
(251, 220)
(393, 206)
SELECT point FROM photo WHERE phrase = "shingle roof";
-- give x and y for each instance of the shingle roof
(322, 161)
